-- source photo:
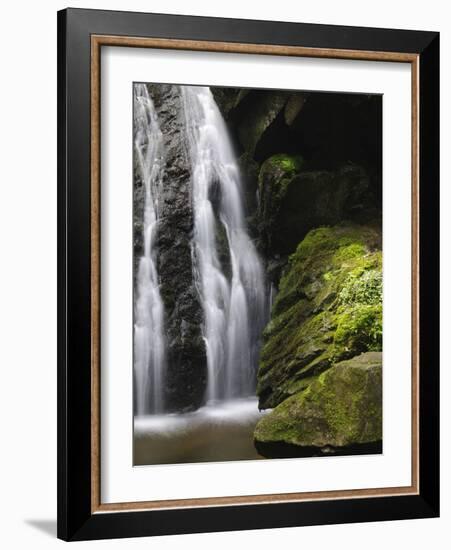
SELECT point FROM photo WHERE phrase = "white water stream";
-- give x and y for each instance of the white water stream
(232, 292)
(149, 344)
(233, 303)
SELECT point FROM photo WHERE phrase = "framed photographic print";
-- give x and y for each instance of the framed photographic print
(248, 274)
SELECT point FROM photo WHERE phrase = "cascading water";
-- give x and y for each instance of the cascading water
(234, 304)
(149, 345)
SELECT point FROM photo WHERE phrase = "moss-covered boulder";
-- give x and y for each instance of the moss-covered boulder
(294, 200)
(274, 180)
(328, 308)
(340, 411)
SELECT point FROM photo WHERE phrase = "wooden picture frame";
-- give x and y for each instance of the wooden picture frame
(81, 35)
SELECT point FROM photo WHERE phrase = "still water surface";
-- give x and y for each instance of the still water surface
(215, 433)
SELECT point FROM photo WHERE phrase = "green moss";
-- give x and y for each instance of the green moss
(349, 252)
(289, 164)
(342, 407)
(274, 180)
(299, 385)
(329, 307)
(362, 287)
(359, 328)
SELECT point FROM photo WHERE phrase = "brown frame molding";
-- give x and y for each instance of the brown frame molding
(97, 41)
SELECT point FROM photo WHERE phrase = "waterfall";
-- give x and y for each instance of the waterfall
(233, 299)
(149, 345)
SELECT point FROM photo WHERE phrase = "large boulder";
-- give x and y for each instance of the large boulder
(328, 308)
(294, 200)
(339, 412)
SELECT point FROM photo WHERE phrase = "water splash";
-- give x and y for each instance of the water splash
(149, 343)
(234, 303)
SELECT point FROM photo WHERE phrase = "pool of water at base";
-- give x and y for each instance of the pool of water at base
(215, 433)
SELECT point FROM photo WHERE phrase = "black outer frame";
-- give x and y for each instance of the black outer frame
(75, 520)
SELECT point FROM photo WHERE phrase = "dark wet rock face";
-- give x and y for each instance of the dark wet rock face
(138, 207)
(308, 159)
(294, 200)
(186, 358)
(228, 99)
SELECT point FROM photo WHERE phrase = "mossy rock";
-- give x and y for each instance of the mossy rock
(294, 200)
(274, 181)
(341, 410)
(282, 165)
(328, 308)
